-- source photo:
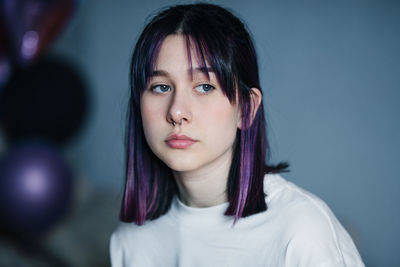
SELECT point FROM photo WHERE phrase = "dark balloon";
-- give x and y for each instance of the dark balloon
(35, 188)
(32, 25)
(5, 70)
(5, 65)
(47, 100)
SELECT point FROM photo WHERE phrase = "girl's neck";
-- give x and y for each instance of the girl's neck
(207, 186)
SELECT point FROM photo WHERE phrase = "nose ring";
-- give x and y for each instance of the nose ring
(174, 123)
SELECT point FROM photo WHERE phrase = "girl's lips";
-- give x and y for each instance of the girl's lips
(179, 141)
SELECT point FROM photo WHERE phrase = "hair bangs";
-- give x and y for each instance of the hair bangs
(211, 55)
(200, 49)
(203, 41)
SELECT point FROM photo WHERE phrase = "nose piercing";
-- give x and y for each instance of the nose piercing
(174, 123)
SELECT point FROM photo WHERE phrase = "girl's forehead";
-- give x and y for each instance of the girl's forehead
(179, 51)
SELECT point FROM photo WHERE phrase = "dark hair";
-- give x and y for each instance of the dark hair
(222, 43)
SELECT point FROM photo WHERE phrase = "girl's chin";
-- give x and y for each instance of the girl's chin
(182, 165)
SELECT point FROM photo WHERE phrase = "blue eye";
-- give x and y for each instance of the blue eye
(160, 88)
(204, 88)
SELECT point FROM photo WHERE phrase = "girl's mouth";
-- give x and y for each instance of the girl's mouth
(179, 141)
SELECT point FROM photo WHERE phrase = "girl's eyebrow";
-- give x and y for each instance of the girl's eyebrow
(164, 73)
(155, 73)
(203, 69)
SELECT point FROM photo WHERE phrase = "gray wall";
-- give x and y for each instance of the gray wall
(330, 75)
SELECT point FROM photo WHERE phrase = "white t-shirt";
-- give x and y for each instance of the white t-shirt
(297, 229)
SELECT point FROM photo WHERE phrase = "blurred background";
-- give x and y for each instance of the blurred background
(331, 81)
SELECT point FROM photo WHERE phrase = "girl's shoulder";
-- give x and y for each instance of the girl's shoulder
(299, 210)
(308, 224)
(287, 196)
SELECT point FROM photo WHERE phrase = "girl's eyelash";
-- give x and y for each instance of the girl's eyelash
(207, 88)
(162, 88)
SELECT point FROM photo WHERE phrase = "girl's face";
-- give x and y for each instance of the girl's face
(188, 122)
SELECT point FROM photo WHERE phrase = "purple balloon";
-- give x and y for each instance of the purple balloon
(33, 25)
(35, 188)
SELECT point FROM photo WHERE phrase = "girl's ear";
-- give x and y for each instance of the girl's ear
(255, 98)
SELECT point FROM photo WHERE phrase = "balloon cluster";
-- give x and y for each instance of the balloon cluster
(43, 102)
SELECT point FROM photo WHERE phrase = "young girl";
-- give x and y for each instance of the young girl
(198, 192)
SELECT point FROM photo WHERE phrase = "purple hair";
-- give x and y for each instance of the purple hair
(222, 43)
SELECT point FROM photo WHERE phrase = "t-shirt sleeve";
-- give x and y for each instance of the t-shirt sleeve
(318, 239)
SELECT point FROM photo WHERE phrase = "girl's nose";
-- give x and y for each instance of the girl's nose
(179, 111)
